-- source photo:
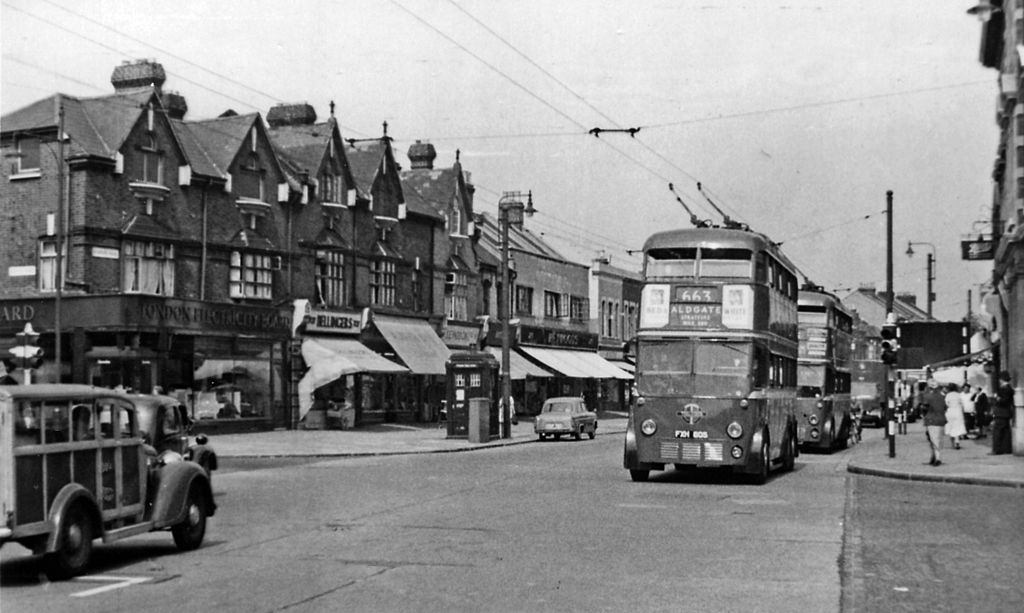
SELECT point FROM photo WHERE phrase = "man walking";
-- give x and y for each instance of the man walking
(933, 408)
(1001, 416)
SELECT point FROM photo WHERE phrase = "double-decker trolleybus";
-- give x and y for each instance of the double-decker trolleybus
(823, 370)
(716, 355)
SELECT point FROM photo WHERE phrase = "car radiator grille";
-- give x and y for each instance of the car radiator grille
(672, 451)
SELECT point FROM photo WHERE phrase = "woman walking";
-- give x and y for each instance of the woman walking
(955, 427)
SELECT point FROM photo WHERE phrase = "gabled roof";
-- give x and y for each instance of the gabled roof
(221, 138)
(302, 149)
(97, 126)
(519, 239)
(369, 160)
(429, 192)
(194, 151)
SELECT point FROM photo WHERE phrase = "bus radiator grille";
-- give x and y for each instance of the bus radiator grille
(672, 451)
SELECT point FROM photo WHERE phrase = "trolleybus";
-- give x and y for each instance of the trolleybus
(716, 355)
(823, 373)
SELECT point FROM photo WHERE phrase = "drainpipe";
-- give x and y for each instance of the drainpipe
(203, 257)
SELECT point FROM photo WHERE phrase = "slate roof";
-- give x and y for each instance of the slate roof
(365, 159)
(97, 126)
(429, 191)
(221, 138)
(302, 148)
(518, 239)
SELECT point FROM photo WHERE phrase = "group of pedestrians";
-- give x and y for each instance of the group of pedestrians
(953, 413)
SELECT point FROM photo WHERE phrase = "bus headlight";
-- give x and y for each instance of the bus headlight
(640, 401)
(648, 427)
(734, 430)
(821, 404)
(737, 452)
(815, 434)
(812, 419)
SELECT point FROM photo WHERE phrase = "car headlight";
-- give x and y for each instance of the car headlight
(648, 427)
(812, 419)
(734, 430)
(744, 404)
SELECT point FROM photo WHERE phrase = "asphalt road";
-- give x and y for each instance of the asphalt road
(555, 526)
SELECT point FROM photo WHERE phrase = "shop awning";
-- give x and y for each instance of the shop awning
(576, 364)
(329, 359)
(416, 344)
(518, 366)
(624, 365)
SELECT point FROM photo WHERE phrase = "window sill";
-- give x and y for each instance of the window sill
(26, 174)
(144, 189)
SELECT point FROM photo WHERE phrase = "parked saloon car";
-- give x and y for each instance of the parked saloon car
(165, 424)
(74, 467)
(565, 415)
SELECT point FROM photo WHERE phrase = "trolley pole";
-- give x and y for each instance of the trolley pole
(890, 402)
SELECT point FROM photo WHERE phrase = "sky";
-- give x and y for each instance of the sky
(796, 117)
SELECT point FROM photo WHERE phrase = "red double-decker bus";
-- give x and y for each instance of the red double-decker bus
(823, 374)
(716, 364)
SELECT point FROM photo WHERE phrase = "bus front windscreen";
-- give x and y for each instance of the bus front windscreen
(694, 367)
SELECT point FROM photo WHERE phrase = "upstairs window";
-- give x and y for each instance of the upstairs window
(249, 180)
(28, 154)
(151, 166)
(147, 268)
(579, 308)
(331, 189)
(330, 277)
(382, 282)
(252, 275)
(48, 264)
(456, 291)
(553, 307)
(524, 300)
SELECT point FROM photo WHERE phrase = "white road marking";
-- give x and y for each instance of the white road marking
(116, 583)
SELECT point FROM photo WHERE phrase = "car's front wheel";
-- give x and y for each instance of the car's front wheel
(189, 533)
(639, 475)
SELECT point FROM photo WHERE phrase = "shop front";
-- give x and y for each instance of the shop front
(346, 384)
(572, 357)
(225, 362)
(418, 394)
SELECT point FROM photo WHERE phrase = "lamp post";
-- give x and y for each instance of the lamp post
(931, 270)
(510, 212)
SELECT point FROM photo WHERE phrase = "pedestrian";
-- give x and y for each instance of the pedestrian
(933, 410)
(955, 429)
(1001, 416)
(970, 415)
(981, 411)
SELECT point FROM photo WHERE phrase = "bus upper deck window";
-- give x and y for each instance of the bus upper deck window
(731, 263)
(681, 262)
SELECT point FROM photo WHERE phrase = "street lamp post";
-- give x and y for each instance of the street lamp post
(931, 270)
(510, 212)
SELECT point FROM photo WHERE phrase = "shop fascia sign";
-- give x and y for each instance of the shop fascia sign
(335, 322)
(553, 337)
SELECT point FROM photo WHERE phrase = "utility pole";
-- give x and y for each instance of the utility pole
(59, 281)
(890, 317)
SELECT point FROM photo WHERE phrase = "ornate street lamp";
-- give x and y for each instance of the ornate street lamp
(931, 270)
(510, 212)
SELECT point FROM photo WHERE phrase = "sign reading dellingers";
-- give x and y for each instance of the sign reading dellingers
(713, 306)
(334, 322)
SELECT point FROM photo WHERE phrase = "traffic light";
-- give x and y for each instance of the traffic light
(890, 343)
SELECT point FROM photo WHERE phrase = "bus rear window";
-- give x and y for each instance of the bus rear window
(678, 262)
(730, 263)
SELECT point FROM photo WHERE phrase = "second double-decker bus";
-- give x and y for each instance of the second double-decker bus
(716, 355)
(823, 371)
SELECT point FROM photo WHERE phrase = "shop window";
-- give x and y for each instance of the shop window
(330, 278)
(147, 268)
(382, 282)
(233, 379)
(251, 275)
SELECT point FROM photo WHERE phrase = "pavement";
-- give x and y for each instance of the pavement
(971, 464)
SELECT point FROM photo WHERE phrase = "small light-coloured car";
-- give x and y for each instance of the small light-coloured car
(565, 415)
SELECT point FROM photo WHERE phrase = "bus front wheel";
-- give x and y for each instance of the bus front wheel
(761, 476)
(639, 475)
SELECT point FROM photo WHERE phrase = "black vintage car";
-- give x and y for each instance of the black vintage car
(165, 424)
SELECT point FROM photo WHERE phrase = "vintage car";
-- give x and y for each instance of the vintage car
(75, 467)
(565, 415)
(165, 424)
